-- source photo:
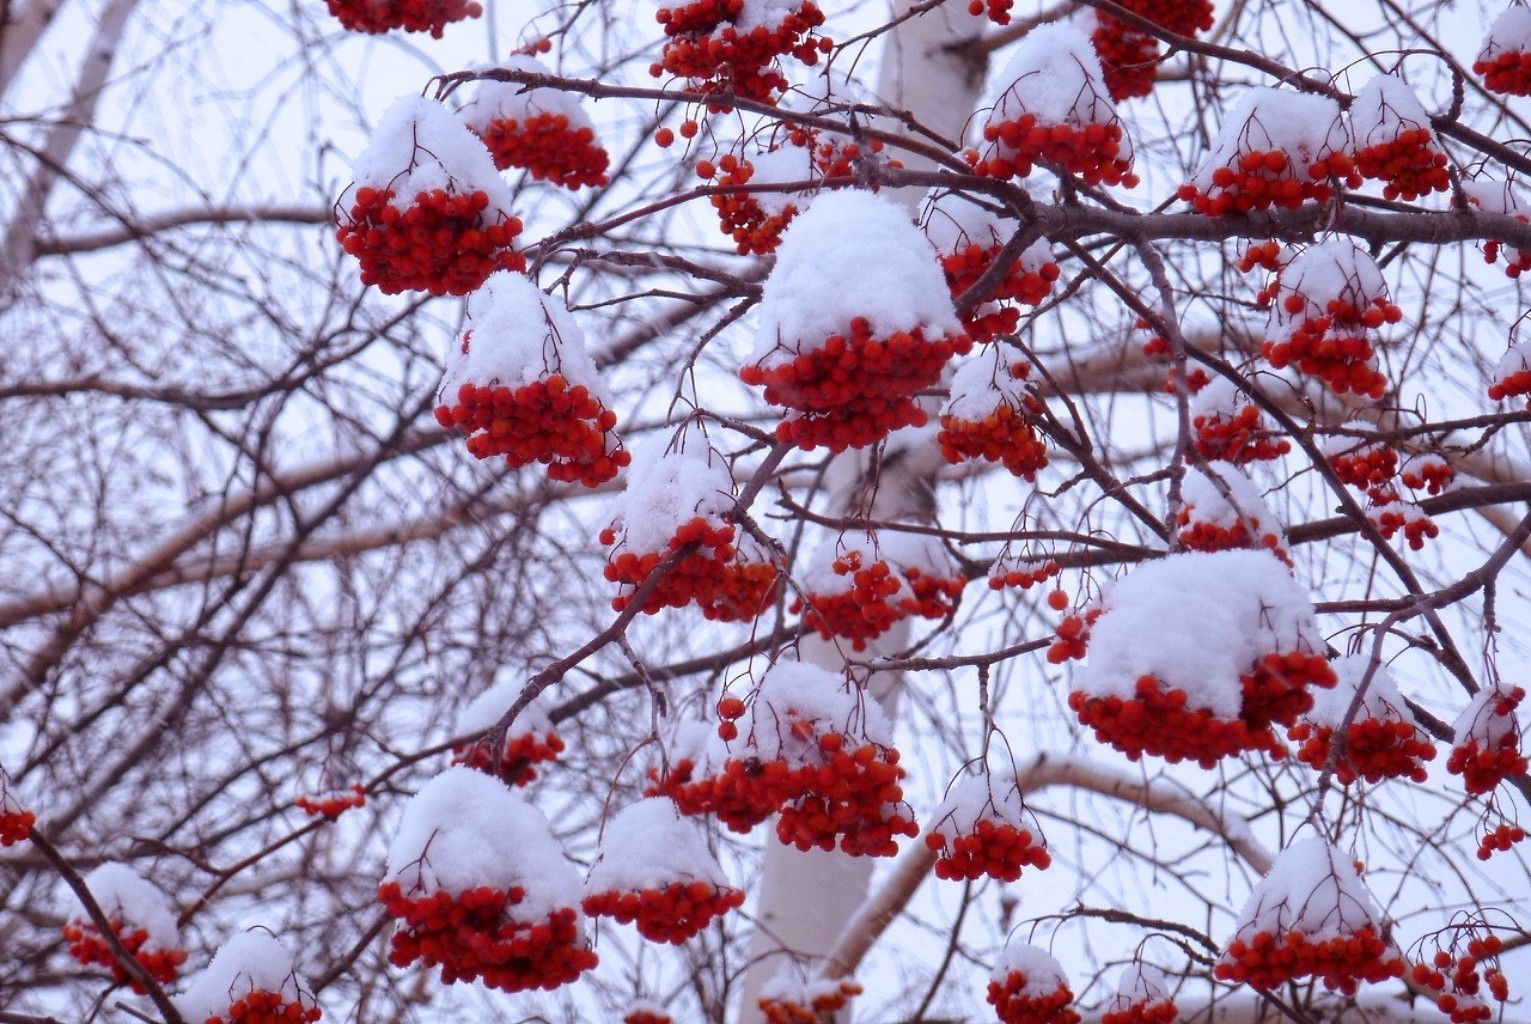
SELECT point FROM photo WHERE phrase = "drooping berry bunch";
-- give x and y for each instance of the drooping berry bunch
(428, 211)
(997, 11)
(991, 415)
(479, 887)
(654, 870)
(1311, 916)
(1512, 377)
(1278, 148)
(1027, 986)
(1054, 110)
(831, 346)
(730, 48)
(1504, 63)
(251, 980)
(756, 219)
(674, 506)
(1207, 676)
(15, 821)
(1071, 638)
(746, 584)
(1230, 428)
(332, 803)
(1128, 57)
(377, 16)
(1427, 472)
(1021, 571)
(1330, 297)
(1142, 997)
(140, 917)
(260, 1007)
(1382, 742)
(1182, 17)
(1364, 463)
(1223, 509)
(541, 130)
(983, 828)
(858, 585)
(1496, 196)
(87, 946)
(969, 237)
(520, 384)
(1458, 979)
(1394, 142)
(647, 1013)
(789, 999)
(1487, 740)
(1405, 516)
(531, 740)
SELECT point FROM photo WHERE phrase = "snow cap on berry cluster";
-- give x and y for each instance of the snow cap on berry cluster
(1303, 126)
(517, 335)
(1516, 359)
(786, 164)
(1321, 273)
(485, 711)
(1493, 195)
(512, 101)
(953, 221)
(1351, 440)
(1384, 107)
(1219, 398)
(1312, 890)
(1243, 501)
(788, 986)
(1382, 700)
(1510, 33)
(699, 743)
(795, 691)
(1055, 76)
(982, 383)
(1140, 983)
(851, 254)
(668, 485)
(1197, 622)
(977, 798)
(1479, 722)
(900, 550)
(1042, 971)
(465, 830)
(251, 961)
(648, 845)
(420, 146)
(127, 897)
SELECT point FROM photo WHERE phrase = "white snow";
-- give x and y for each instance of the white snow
(1323, 272)
(251, 961)
(9, 804)
(1510, 33)
(1313, 890)
(516, 334)
(126, 896)
(648, 845)
(984, 797)
(786, 164)
(1351, 440)
(1140, 983)
(1197, 622)
(795, 691)
(485, 711)
(850, 254)
(982, 383)
(1516, 359)
(420, 146)
(1384, 107)
(1304, 126)
(1210, 505)
(669, 484)
(1042, 971)
(954, 221)
(1382, 700)
(1054, 75)
(1493, 195)
(1220, 398)
(1478, 722)
(900, 550)
(510, 101)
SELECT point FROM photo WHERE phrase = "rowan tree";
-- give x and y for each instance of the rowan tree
(520, 509)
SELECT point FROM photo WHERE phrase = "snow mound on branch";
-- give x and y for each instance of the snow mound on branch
(465, 830)
(1205, 495)
(648, 845)
(1311, 890)
(1337, 269)
(792, 691)
(668, 485)
(785, 165)
(982, 383)
(1493, 195)
(247, 962)
(485, 711)
(851, 254)
(1042, 971)
(494, 101)
(126, 896)
(1055, 76)
(1382, 699)
(420, 146)
(1140, 984)
(1479, 722)
(953, 221)
(1219, 398)
(981, 798)
(516, 334)
(900, 550)
(1510, 33)
(1516, 359)
(1384, 107)
(1197, 622)
(1301, 125)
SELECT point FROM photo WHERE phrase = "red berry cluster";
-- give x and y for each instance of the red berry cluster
(441, 243)
(1417, 527)
(545, 421)
(262, 1007)
(517, 755)
(1007, 436)
(1266, 255)
(694, 578)
(1072, 636)
(1239, 436)
(1509, 72)
(549, 148)
(333, 804)
(470, 937)
(1429, 474)
(740, 214)
(964, 267)
(1128, 58)
(1092, 151)
(854, 388)
(1458, 982)
(997, 10)
(1512, 385)
(1370, 468)
(1375, 749)
(873, 603)
(854, 797)
(995, 848)
(673, 913)
(1162, 1011)
(1265, 178)
(1204, 535)
(1409, 166)
(1156, 721)
(1499, 838)
(1182, 17)
(1024, 575)
(820, 1003)
(14, 826)
(1342, 962)
(705, 46)
(645, 1016)
(1332, 345)
(87, 946)
(1482, 769)
(375, 16)
(745, 588)
(1013, 1005)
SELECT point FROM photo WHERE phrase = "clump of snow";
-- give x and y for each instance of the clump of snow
(904, 553)
(1346, 442)
(1493, 195)
(1197, 622)
(1479, 722)
(1516, 359)
(485, 711)
(1383, 108)
(1042, 971)
(1219, 398)
(786, 986)
(515, 335)
(699, 743)
(1336, 270)
(648, 845)
(466, 830)
(511, 101)
(1382, 700)
(985, 797)
(127, 897)
(1055, 76)
(1224, 496)
(982, 383)
(420, 146)
(1312, 890)
(787, 164)
(793, 692)
(1140, 983)
(1510, 33)
(851, 254)
(668, 485)
(251, 961)
(954, 221)
(1304, 126)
